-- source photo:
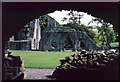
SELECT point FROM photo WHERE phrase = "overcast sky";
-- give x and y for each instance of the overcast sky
(58, 16)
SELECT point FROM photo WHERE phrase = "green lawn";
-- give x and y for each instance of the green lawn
(38, 59)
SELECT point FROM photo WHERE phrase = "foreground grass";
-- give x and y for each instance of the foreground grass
(37, 59)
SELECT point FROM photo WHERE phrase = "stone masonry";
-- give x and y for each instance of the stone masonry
(52, 38)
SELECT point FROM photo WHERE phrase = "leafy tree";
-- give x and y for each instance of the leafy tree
(106, 32)
(43, 21)
(26, 31)
(74, 21)
(74, 17)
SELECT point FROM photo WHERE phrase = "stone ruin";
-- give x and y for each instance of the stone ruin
(52, 38)
(18, 42)
(88, 65)
(13, 67)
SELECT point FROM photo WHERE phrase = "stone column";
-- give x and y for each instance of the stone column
(61, 46)
(58, 48)
(79, 45)
(45, 47)
(41, 46)
(75, 46)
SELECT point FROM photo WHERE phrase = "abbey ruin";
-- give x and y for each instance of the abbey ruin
(52, 38)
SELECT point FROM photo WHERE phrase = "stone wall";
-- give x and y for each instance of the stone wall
(80, 40)
(53, 38)
(19, 45)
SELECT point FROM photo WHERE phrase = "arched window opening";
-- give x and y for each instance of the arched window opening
(68, 43)
(54, 45)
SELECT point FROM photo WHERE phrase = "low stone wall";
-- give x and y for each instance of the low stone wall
(19, 45)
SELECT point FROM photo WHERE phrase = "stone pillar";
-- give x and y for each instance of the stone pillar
(29, 44)
(58, 48)
(75, 46)
(79, 45)
(90, 46)
(61, 47)
(41, 46)
(46, 47)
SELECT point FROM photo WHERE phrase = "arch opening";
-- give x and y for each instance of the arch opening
(54, 44)
(68, 44)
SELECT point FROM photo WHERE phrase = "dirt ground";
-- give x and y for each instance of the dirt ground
(37, 74)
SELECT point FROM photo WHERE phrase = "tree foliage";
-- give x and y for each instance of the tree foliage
(106, 33)
(74, 17)
(26, 31)
(43, 21)
(74, 21)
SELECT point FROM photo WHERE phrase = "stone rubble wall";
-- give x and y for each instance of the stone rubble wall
(13, 67)
(19, 45)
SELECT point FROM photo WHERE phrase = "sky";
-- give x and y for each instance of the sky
(59, 15)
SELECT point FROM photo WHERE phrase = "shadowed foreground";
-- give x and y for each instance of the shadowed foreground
(93, 65)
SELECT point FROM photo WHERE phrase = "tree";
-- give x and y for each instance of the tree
(43, 21)
(26, 31)
(74, 17)
(106, 32)
(74, 21)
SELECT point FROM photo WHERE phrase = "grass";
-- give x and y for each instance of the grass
(38, 59)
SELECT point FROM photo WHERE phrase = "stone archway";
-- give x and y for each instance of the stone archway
(73, 40)
(21, 13)
(51, 43)
(106, 11)
(68, 44)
